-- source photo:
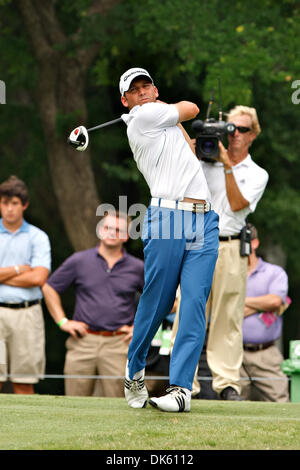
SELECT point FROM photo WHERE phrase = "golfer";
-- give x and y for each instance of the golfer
(180, 237)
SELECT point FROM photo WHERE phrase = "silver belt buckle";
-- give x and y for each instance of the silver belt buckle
(201, 207)
(197, 206)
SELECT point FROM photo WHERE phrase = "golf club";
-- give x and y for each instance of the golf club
(79, 137)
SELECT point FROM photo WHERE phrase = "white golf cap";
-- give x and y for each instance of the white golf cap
(130, 75)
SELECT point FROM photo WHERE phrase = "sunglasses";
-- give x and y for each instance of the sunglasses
(242, 129)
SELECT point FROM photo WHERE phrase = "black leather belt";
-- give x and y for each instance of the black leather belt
(26, 304)
(231, 237)
(105, 332)
(258, 347)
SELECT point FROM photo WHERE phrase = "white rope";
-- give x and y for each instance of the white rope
(147, 377)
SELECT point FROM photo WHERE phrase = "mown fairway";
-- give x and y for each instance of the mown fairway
(42, 422)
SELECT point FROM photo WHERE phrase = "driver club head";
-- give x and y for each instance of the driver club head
(79, 138)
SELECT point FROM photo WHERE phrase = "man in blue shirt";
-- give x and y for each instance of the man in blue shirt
(25, 263)
(106, 279)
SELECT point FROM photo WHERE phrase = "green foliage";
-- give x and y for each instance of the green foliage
(17, 67)
(65, 122)
(254, 39)
(81, 28)
(127, 172)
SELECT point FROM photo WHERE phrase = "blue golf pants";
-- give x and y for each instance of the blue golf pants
(179, 247)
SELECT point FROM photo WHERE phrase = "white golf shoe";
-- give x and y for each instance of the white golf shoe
(135, 390)
(177, 399)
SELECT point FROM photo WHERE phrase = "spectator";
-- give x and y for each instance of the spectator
(236, 184)
(266, 300)
(106, 279)
(25, 262)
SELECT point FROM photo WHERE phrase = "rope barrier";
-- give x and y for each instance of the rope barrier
(147, 377)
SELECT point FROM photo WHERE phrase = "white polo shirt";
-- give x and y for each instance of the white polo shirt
(251, 180)
(162, 154)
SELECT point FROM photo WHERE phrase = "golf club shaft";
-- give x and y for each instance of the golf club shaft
(108, 123)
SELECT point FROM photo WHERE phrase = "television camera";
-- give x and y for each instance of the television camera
(210, 132)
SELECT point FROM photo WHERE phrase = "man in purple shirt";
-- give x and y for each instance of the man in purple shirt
(266, 300)
(106, 279)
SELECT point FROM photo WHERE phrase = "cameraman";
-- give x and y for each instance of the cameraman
(236, 184)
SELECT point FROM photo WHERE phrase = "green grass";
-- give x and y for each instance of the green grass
(42, 422)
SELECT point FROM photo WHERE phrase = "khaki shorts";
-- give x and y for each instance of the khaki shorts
(23, 334)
